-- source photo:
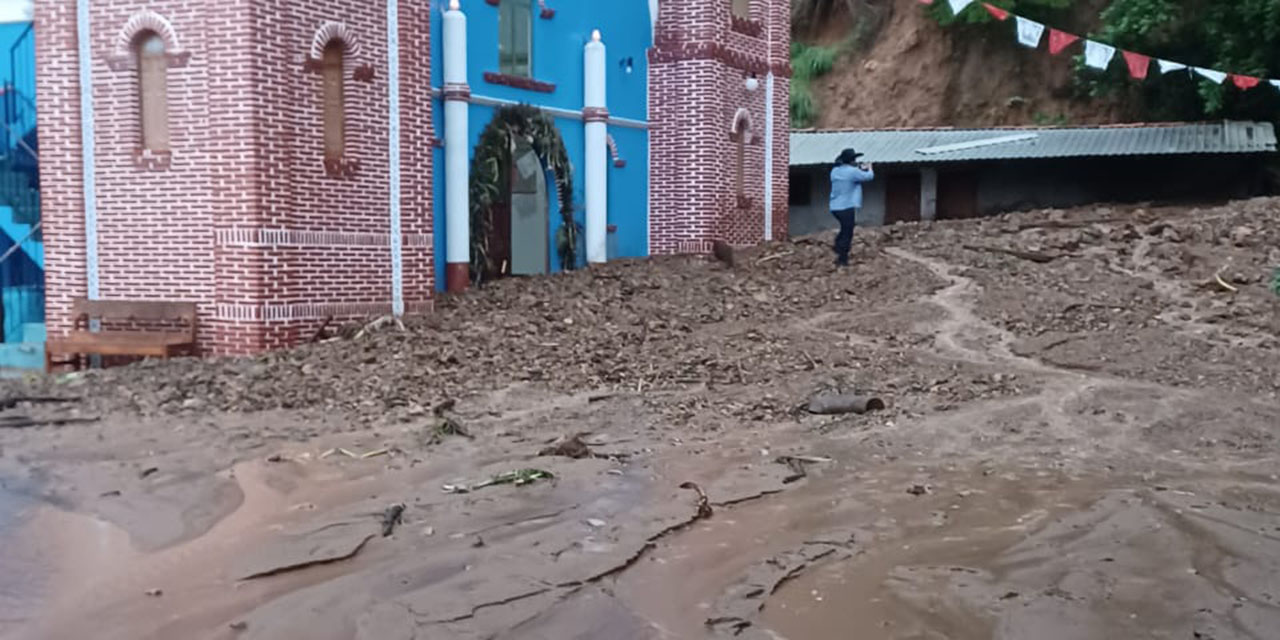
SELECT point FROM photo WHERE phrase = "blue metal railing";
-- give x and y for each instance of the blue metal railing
(22, 74)
(21, 244)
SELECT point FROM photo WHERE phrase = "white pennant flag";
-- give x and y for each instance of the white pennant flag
(1029, 32)
(1275, 83)
(1098, 55)
(1167, 66)
(959, 5)
(1217, 77)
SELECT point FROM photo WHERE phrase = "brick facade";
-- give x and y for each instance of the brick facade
(242, 215)
(698, 106)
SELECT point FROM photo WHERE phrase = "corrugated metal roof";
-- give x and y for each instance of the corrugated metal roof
(921, 146)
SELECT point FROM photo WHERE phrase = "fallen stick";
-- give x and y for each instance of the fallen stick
(9, 403)
(26, 422)
(393, 516)
(319, 334)
(773, 257)
(378, 324)
(1033, 256)
(704, 504)
(1063, 224)
(1223, 283)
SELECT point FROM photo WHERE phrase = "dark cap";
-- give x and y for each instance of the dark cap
(848, 156)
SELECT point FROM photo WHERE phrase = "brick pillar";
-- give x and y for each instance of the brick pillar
(779, 12)
(239, 198)
(416, 154)
(700, 106)
(61, 193)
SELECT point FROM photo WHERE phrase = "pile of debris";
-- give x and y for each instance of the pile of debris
(671, 323)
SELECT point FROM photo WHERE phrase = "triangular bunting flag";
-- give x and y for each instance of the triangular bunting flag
(1167, 66)
(1138, 64)
(1217, 77)
(1097, 54)
(996, 12)
(1275, 83)
(957, 6)
(1059, 40)
(1029, 32)
(926, 1)
(1245, 83)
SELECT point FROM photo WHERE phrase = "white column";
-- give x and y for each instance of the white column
(596, 115)
(87, 144)
(457, 203)
(768, 156)
(393, 129)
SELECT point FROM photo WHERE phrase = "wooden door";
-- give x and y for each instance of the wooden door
(902, 198)
(957, 195)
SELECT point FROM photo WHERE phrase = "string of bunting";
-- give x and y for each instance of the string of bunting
(1100, 55)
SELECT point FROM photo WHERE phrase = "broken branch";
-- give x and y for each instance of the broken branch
(1033, 256)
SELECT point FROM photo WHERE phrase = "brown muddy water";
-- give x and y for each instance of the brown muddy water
(1020, 554)
(22, 576)
(1054, 560)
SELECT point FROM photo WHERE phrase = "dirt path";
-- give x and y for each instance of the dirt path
(1079, 449)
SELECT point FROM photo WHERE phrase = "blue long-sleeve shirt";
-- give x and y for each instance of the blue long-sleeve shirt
(846, 186)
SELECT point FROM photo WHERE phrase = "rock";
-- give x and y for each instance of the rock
(1242, 236)
(1244, 277)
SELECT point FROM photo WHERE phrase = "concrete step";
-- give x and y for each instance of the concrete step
(22, 356)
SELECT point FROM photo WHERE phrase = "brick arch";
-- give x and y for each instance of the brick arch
(146, 20)
(351, 48)
(742, 125)
(333, 30)
(141, 22)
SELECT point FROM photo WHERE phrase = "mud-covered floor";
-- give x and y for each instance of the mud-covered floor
(1080, 442)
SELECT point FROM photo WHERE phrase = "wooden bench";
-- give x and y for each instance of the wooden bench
(111, 341)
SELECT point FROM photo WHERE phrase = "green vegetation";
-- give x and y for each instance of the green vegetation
(490, 170)
(808, 63)
(810, 18)
(1275, 282)
(1043, 119)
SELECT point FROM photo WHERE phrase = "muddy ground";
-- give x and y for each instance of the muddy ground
(1079, 442)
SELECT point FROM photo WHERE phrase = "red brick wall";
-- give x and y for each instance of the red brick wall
(58, 119)
(698, 69)
(244, 216)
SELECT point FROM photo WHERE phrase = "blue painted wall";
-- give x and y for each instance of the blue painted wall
(557, 59)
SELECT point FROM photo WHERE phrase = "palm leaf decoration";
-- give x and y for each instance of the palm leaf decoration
(489, 170)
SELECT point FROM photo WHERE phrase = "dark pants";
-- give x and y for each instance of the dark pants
(844, 239)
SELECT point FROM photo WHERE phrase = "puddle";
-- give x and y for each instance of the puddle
(23, 577)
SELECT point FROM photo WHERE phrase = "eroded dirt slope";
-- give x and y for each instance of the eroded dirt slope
(911, 72)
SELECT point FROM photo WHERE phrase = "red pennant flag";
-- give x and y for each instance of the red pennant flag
(1138, 64)
(1059, 40)
(926, 1)
(996, 12)
(1245, 83)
